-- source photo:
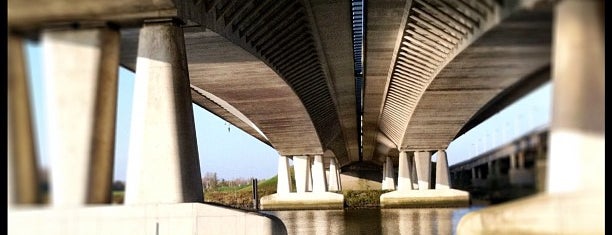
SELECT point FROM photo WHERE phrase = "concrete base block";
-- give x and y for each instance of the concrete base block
(183, 218)
(302, 201)
(567, 213)
(425, 198)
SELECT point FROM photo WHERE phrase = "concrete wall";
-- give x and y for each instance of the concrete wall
(351, 181)
(178, 219)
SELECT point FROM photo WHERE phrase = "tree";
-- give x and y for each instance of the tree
(209, 181)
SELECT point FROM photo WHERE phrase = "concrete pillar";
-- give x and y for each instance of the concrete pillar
(22, 164)
(389, 182)
(284, 177)
(578, 111)
(384, 176)
(413, 172)
(81, 68)
(319, 184)
(300, 167)
(403, 178)
(338, 178)
(309, 174)
(521, 160)
(333, 184)
(474, 173)
(422, 161)
(490, 170)
(512, 161)
(444, 220)
(163, 164)
(442, 177)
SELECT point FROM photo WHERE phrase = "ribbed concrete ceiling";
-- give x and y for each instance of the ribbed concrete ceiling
(505, 55)
(383, 20)
(260, 52)
(449, 59)
(246, 84)
(295, 39)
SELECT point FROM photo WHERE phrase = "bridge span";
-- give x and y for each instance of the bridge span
(329, 84)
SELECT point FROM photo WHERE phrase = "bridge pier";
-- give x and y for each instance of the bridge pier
(388, 182)
(422, 160)
(577, 139)
(81, 73)
(334, 184)
(22, 165)
(164, 187)
(442, 175)
(407, 195)
(163, 163)
(303, 198)
(404, 174)
(319, 183)
(301, 166)
(283, 184)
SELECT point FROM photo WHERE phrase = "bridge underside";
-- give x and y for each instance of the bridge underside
(448, 70)
(433, 69)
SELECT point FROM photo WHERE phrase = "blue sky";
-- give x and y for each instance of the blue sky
(233, 154)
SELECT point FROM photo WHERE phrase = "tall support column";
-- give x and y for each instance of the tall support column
(512, 161)
(521, 160)
(576, 156)
(384, 176)
(319, 184)
(81, 67)
(423, 161)
(473, 173)
(163, 164)
(309, 174)
(338, 177)
(284, 180)
(413, 172)
(403, 177)
(22, 164)
(389, 174)
(442, 178)
(333, 184)
(300, 167)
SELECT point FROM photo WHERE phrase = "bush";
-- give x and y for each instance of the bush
(362, 198)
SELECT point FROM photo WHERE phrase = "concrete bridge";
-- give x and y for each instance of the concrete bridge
(366, 83)
(516, 168)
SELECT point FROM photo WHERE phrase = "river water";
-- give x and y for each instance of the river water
(442, 221)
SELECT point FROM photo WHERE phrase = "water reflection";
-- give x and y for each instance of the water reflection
(442, 221)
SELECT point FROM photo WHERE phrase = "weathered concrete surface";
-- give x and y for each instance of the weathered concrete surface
(383, 24)
(283, 184)
(81, 99)
(333, 177)
(179, 219)
(302, 201)
(562, 213)
(337, 60)
(163, 164)
(425, 198)
(361, 180)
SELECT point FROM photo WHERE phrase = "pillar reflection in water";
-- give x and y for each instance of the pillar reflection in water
(438, 221)
(362, 221)
(423, 221)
